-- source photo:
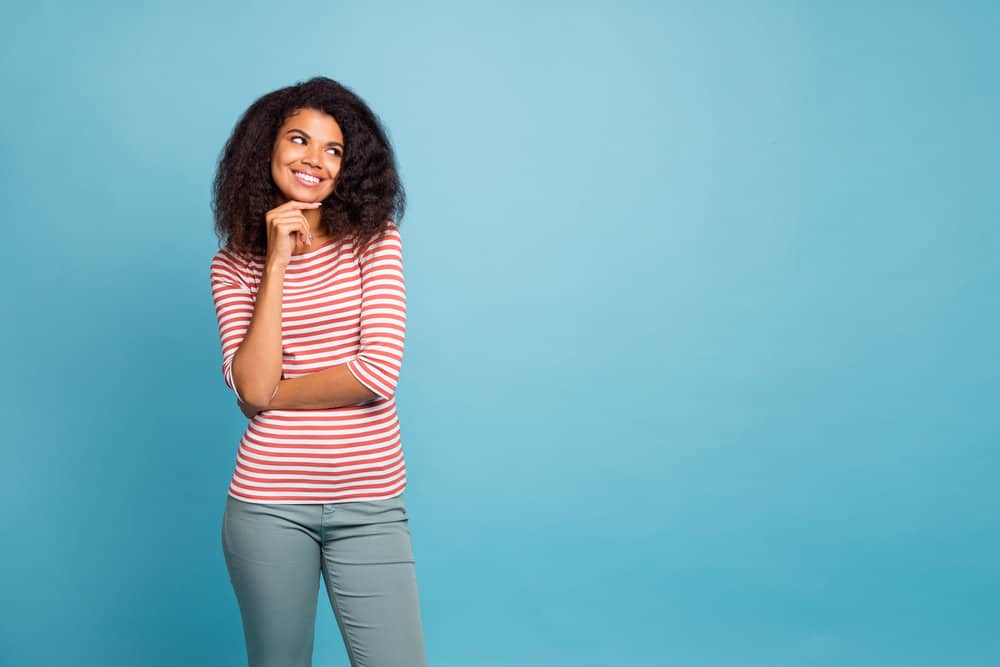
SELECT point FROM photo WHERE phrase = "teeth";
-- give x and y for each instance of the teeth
(307, 177)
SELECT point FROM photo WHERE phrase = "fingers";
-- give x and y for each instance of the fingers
(247, 411)
(292, 224)
(290, 206)
(290, 218)
(293, 204)
(287, 219)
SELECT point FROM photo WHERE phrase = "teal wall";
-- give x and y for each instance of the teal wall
(701, 364)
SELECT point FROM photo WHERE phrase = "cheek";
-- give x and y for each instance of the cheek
(277, 160)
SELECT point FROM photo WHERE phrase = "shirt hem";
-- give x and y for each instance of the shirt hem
(317, 501)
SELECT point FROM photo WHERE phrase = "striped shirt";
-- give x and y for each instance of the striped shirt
(336, 308)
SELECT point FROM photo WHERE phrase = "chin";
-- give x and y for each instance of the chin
(304, 195)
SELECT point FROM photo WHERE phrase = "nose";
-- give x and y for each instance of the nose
(312, 158)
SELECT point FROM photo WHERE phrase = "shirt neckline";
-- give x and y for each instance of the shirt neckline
(309, 253)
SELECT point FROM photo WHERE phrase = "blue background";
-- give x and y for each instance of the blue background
(701, 360)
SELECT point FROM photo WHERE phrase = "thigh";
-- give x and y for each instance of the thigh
(369, 572)
(273, 557)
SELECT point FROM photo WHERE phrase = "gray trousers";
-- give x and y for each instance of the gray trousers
(275, 554)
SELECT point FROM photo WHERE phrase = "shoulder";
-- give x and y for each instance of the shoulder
(228, 264)
(388, 234)
(387, 243)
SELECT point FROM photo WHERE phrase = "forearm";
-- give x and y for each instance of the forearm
(330, 388)
(257, 363)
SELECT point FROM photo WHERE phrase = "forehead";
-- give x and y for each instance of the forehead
(314, 122)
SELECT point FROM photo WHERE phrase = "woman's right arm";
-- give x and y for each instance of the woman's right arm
(256, 366)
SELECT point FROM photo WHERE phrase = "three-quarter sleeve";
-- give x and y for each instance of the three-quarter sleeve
(234, 303)
(383, 316)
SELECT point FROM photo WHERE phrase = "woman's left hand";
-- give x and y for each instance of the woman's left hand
(248, 410)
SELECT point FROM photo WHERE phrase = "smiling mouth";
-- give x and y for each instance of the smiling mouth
(306, 179)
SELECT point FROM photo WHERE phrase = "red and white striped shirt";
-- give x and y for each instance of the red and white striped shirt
(336, 308)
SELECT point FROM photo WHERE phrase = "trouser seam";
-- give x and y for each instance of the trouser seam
(340, 618)
(328, 575)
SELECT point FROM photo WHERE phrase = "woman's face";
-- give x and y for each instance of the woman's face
(309, 146)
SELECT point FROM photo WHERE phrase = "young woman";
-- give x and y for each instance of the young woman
(311, 306)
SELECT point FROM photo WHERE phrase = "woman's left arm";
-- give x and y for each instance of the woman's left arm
(329, 388)
(374, 371)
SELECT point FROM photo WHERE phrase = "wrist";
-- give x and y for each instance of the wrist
(275, 266)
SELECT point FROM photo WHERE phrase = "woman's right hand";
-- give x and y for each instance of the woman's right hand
(286, 225)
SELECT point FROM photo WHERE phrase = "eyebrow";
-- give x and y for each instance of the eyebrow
(329, 143)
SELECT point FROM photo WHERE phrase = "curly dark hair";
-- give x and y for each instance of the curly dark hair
(368, 195)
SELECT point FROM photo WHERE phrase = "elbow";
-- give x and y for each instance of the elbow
(254, 394)
(256, 399)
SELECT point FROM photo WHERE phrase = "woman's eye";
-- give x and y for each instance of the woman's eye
(336, 151)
